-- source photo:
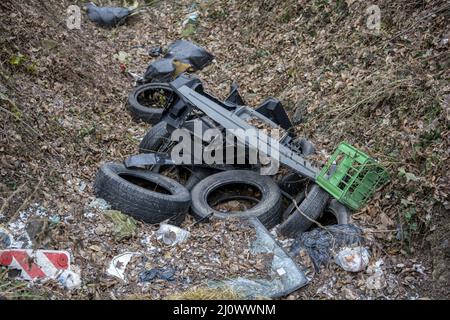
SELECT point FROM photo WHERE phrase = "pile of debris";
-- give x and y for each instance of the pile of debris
(155, 187)
(238, 194)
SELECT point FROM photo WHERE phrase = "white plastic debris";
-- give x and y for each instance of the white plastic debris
(171, 235)
(191, 18)
(119, 263)
(99, 203)
(284, 277)
(377, 280)
(69, 279)
(353, 259)
(82, 186)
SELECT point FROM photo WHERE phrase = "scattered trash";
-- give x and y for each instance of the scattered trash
(55, 219)
(377, 280)
(285, 276)
(322, 244)
(82, 186)
(191, 18)
(6, 239)
(190, 24)
(157, 273)
(124, 226)
(171, 235)
(21, 240)
(155, 51)
(107, 16)
(69, 279)
(99, 203)
(353, 259)
(187, 53)
(119, 263)
(36, 264)
(134, 76)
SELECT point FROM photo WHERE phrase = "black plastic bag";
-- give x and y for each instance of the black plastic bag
(320, 243)
(188, 52)
(184, 51)
(160, 71)
(107, 16)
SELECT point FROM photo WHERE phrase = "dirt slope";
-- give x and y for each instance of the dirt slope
(63, 112)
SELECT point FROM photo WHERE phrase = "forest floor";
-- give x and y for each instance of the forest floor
(387, 91)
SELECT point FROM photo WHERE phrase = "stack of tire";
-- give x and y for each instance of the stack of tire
(154, 198)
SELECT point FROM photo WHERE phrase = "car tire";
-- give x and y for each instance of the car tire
(292, 183)
(267, 210)
(155, 138)
(149, 111)
(120, 187)
(312, 206)
(340, 211)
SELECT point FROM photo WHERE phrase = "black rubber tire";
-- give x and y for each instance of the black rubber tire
(139, 202)
(154, 138)
(340, 211)
(292, 183)
(197, 175)
(268, 210)
(313, 206)
(291, 208)
(150, 114)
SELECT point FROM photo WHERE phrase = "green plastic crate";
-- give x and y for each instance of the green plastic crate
(355, 178)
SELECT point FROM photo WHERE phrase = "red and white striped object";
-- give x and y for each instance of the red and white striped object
(36, 264)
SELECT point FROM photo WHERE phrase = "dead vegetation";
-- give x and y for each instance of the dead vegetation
(62, 107)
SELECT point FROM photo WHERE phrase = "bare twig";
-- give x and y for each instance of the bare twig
(25, 202)
(23, 122)
(7, 200)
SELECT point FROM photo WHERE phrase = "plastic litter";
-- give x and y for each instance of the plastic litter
(99, 203)
(284, 278)
(107, 16)
(36, 264)
(234, 97)
(119, 263)
(191, 18)
(184, 51)
(155, 51)
(124, 226)
(69, 279)
(376, 281)
(157, 273)
(353, 259)
(322, 244)
(6, 239)
(171, 235)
